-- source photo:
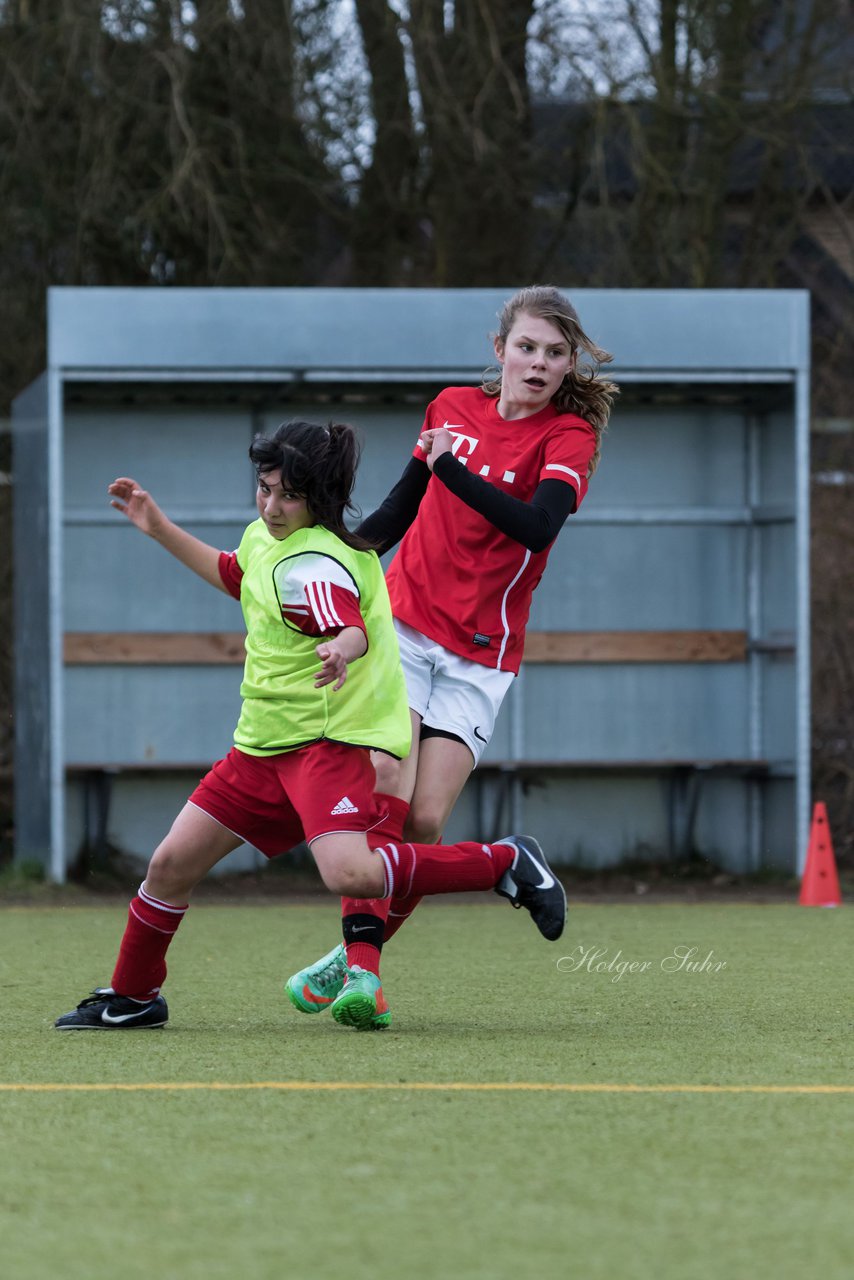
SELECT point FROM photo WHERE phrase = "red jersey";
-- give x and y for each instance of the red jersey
(455, 577)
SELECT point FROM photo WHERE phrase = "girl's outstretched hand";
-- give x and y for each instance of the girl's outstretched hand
(334, 666)
(138, 505)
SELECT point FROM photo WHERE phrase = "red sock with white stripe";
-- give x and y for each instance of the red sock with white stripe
(417, 869)
(363, 920)
(141, 967)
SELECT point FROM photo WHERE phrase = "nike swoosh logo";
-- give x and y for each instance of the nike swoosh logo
(313, 999)
(479, 735)
(547, 880)
(115, 1019)
(361, 928)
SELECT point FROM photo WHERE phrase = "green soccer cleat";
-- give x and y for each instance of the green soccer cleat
(315, 988)
(361, 1003)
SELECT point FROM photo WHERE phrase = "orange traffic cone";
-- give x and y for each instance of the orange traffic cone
(820, 883)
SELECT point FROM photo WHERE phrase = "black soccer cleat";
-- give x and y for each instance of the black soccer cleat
(530, 883)
(105, 1011)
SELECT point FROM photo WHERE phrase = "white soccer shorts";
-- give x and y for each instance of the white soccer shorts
(449, 692)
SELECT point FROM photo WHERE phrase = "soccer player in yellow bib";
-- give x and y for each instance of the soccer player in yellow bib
(322, 688)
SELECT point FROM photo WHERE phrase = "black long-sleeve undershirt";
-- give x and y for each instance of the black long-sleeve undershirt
(386, 526)
(534, 524)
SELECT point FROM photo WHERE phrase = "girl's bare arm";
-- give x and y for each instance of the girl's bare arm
(142, 511)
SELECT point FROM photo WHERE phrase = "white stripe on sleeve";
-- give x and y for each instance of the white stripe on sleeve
(319, 598)
(558, 466)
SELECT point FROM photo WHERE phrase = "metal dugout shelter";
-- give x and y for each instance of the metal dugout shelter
(663, 707)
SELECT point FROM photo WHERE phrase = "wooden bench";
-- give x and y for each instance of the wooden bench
(497, 780)
(96, 779)
(684, 777)
(206, 648)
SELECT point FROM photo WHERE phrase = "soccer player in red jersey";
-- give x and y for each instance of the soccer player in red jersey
(495, 473)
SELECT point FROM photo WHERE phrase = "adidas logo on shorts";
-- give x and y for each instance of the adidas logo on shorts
(344, 805)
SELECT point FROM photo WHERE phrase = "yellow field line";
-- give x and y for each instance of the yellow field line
(456, 1086)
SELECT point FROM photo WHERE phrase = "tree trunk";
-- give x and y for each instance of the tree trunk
(474, 95)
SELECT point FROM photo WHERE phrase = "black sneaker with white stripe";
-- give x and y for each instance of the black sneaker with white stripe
(103, 1010)
(530, 883)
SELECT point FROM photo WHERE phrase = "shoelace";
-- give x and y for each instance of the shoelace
(97, 997)
(356, 972)
(331, 975)
(106, 996)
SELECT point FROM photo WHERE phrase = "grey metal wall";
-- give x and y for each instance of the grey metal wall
(689, 524)
(33, 693)
(664, 541)
(694, 521)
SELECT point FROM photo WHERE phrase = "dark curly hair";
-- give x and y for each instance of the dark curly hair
(319, 463)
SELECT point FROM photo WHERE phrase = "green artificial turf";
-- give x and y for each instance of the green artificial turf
(377, 1182)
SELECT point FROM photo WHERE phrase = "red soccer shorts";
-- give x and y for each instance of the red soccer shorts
(274, 802)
